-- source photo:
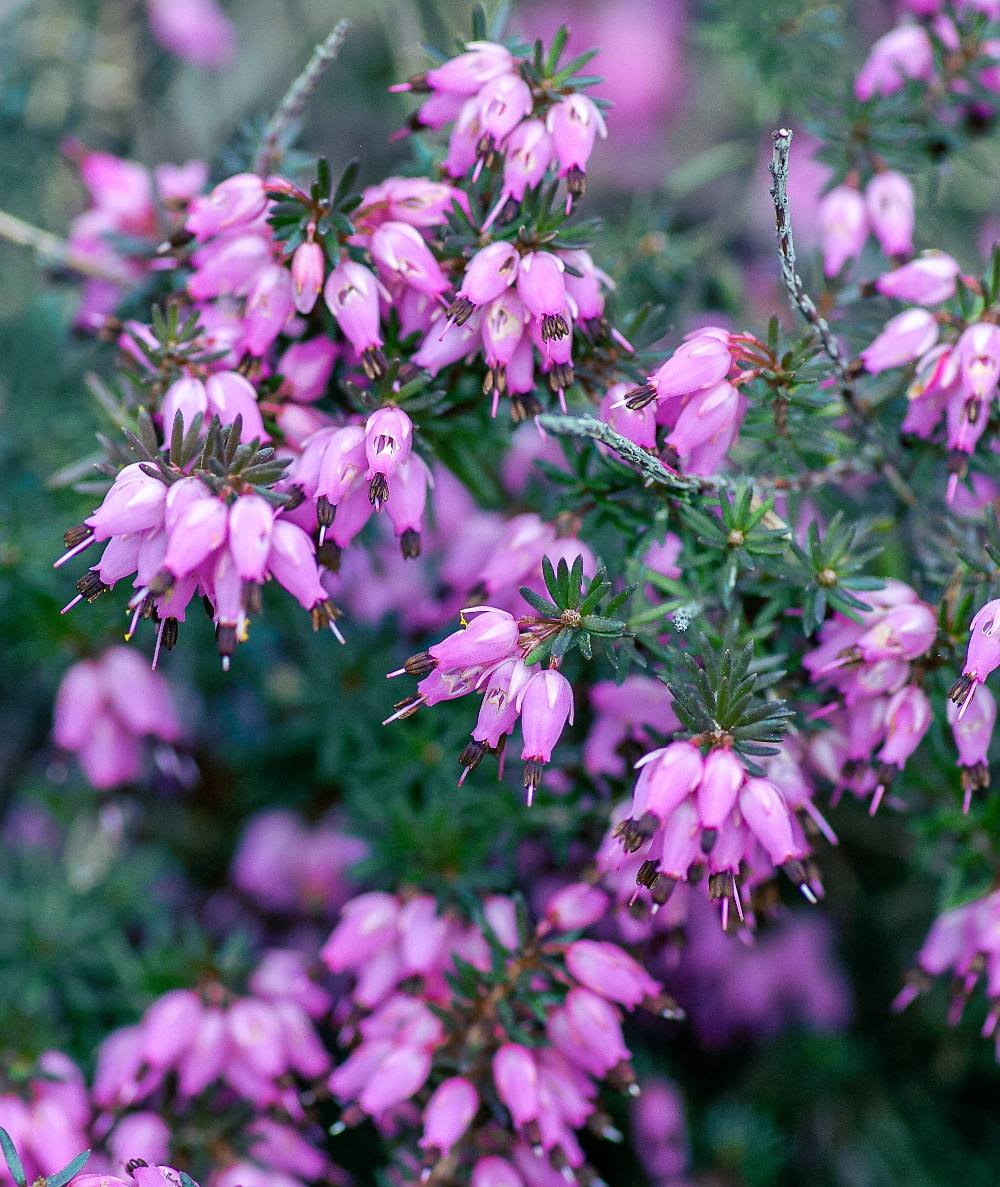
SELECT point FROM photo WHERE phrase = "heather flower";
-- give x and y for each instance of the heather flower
(402, 255)
(541, 287)
(574, 123)
(308, 273)
(983, 656)
(973, 734)
(699, 363)
(843, 227)
(889, 199)
(488, 273)
(351, 294)
(904, 52)
(234, 202)
(468, 73)
(927, 280)
(904, 338)
(196, 30)
(545, 704)
(104, 709)
(978, 354)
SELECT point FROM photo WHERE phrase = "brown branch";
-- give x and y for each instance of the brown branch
(53, 252)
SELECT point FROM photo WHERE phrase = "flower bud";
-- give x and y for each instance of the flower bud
(251, 522)
(719, 787)
(889, 199)
(448, 1113)
(766, 815)
(927, 280)
(516, 1080)
(904, 338)
(608, 970)
(843, 227)
(576, 906)
(308, 272)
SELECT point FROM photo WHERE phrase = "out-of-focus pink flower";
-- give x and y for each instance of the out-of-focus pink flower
(196, 30)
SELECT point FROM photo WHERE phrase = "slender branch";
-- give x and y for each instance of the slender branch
(786, 248)
(801, 301)
(647, 464)
(51, 251)
(276, 136)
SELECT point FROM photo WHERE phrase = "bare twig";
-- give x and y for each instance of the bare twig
(647, 464)
(281, 125)
(655, 473)
(53, 252)
(801, 301)
(786, 249)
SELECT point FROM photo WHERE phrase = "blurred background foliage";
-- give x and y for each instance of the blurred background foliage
(112, 909)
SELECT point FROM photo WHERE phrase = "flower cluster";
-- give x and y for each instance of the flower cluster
(846, 217)
(106, 707)
(533, 1026)
(499, 107)
(691, 814)
(963, 942)
(190, 1041)
(48, 1119)
(210, 526)
(288, 868)
(874, 665)
(957, 359)
(696, 396)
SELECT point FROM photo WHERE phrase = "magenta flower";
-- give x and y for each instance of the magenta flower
(516, 1080)
(491, 271)
(904, 52)
(983, 655)
(351, 294)
(574, 124)
(927, 280)
(308, 274)
(766, 814)
(448, 1114)
(889, 199)
(469, 72)
(904, 338)
(978, 353)
(545, 704)
(973, 734)
(401, 254)
(843, 227)
(196, 30)
(236, 201)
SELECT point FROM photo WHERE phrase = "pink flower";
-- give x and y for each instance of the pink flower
(574, 124)
(541, 287)
(907, 719)
(667, 777)
(401, 1073)
(196, 30)
(978, 352)
(503, 102)
(351, 294)
(492, 1171)
(843, 227)
(608, 970)
(904, 338)
(889, 199)
(904, 52)
(401, 253)
(545, 704)
(516, 1078)
(308, 272)
(448, 1114)
(763, 808)
(983, 655)
(576, 906)
(468, 73)
(491, 271)
(927, 280)
(270, 303)
(233, 202)
(719, 788)
(251, 523)
(707, 416)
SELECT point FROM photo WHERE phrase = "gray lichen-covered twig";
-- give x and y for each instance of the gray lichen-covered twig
(281, 125)
(646, 463)
(53, 252)
(786, 249)
(801, 301)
